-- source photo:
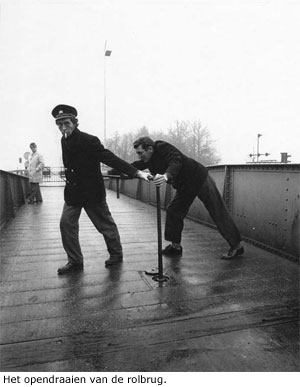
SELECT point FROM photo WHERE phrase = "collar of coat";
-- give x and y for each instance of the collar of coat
(72, 142)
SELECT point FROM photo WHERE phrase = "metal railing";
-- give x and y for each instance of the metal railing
(50, 174)
(263, 200)
(13, 192)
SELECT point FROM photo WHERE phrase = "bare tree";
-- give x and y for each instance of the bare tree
(178, 134)
(202, 147)
(194, 141)
(190, 138)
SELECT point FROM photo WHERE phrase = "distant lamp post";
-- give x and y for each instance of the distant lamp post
(106, 54)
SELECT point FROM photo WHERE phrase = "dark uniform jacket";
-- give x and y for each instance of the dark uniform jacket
(182, 171)
(82, 154)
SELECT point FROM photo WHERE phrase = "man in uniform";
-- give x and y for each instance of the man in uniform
(82, 154)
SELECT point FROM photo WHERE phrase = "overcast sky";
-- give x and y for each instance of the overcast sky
(233, 65)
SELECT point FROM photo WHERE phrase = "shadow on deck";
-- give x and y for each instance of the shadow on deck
(213, 315)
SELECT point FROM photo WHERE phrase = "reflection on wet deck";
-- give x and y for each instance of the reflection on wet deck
(212, 315)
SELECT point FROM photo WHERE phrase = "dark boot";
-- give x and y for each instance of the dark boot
(171, 251)
(70, 268)
(113, 261)
(234, 252)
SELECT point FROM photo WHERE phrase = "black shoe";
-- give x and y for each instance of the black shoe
(233, 252)
(113, 261)
(171, 251)
(70, 268)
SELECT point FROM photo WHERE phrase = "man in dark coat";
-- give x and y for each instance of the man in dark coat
(190, 179)
(82, 154)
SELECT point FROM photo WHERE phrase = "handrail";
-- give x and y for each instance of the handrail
(13, 192)
(262, 198)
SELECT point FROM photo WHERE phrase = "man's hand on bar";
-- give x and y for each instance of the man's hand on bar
(159, 180)
(144, 175)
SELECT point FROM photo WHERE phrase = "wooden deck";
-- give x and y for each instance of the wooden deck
(213, 315)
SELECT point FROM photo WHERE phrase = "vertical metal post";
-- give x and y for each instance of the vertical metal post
(158, 273)
(257, 152)
(159, 238)
(118, 187)
(104, 102)
(106, 53)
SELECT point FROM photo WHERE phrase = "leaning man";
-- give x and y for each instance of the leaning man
(82, 154)
(190, 180)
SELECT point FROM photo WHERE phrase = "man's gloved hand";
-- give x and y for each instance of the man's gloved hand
(144, 175)
(159, 180)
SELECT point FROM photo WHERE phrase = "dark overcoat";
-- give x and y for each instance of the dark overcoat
(183, 172)
(82, 154)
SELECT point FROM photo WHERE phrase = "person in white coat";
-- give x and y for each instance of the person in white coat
(35, 174)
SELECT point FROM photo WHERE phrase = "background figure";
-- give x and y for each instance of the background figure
(35, 174)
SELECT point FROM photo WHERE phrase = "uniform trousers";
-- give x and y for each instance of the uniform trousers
(103, 221)
(209, 194)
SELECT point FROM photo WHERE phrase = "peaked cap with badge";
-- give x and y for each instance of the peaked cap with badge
(64, 111)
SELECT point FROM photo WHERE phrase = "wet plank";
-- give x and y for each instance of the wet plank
(212, 315)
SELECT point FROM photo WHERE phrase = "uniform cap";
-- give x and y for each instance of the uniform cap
(64, 111)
